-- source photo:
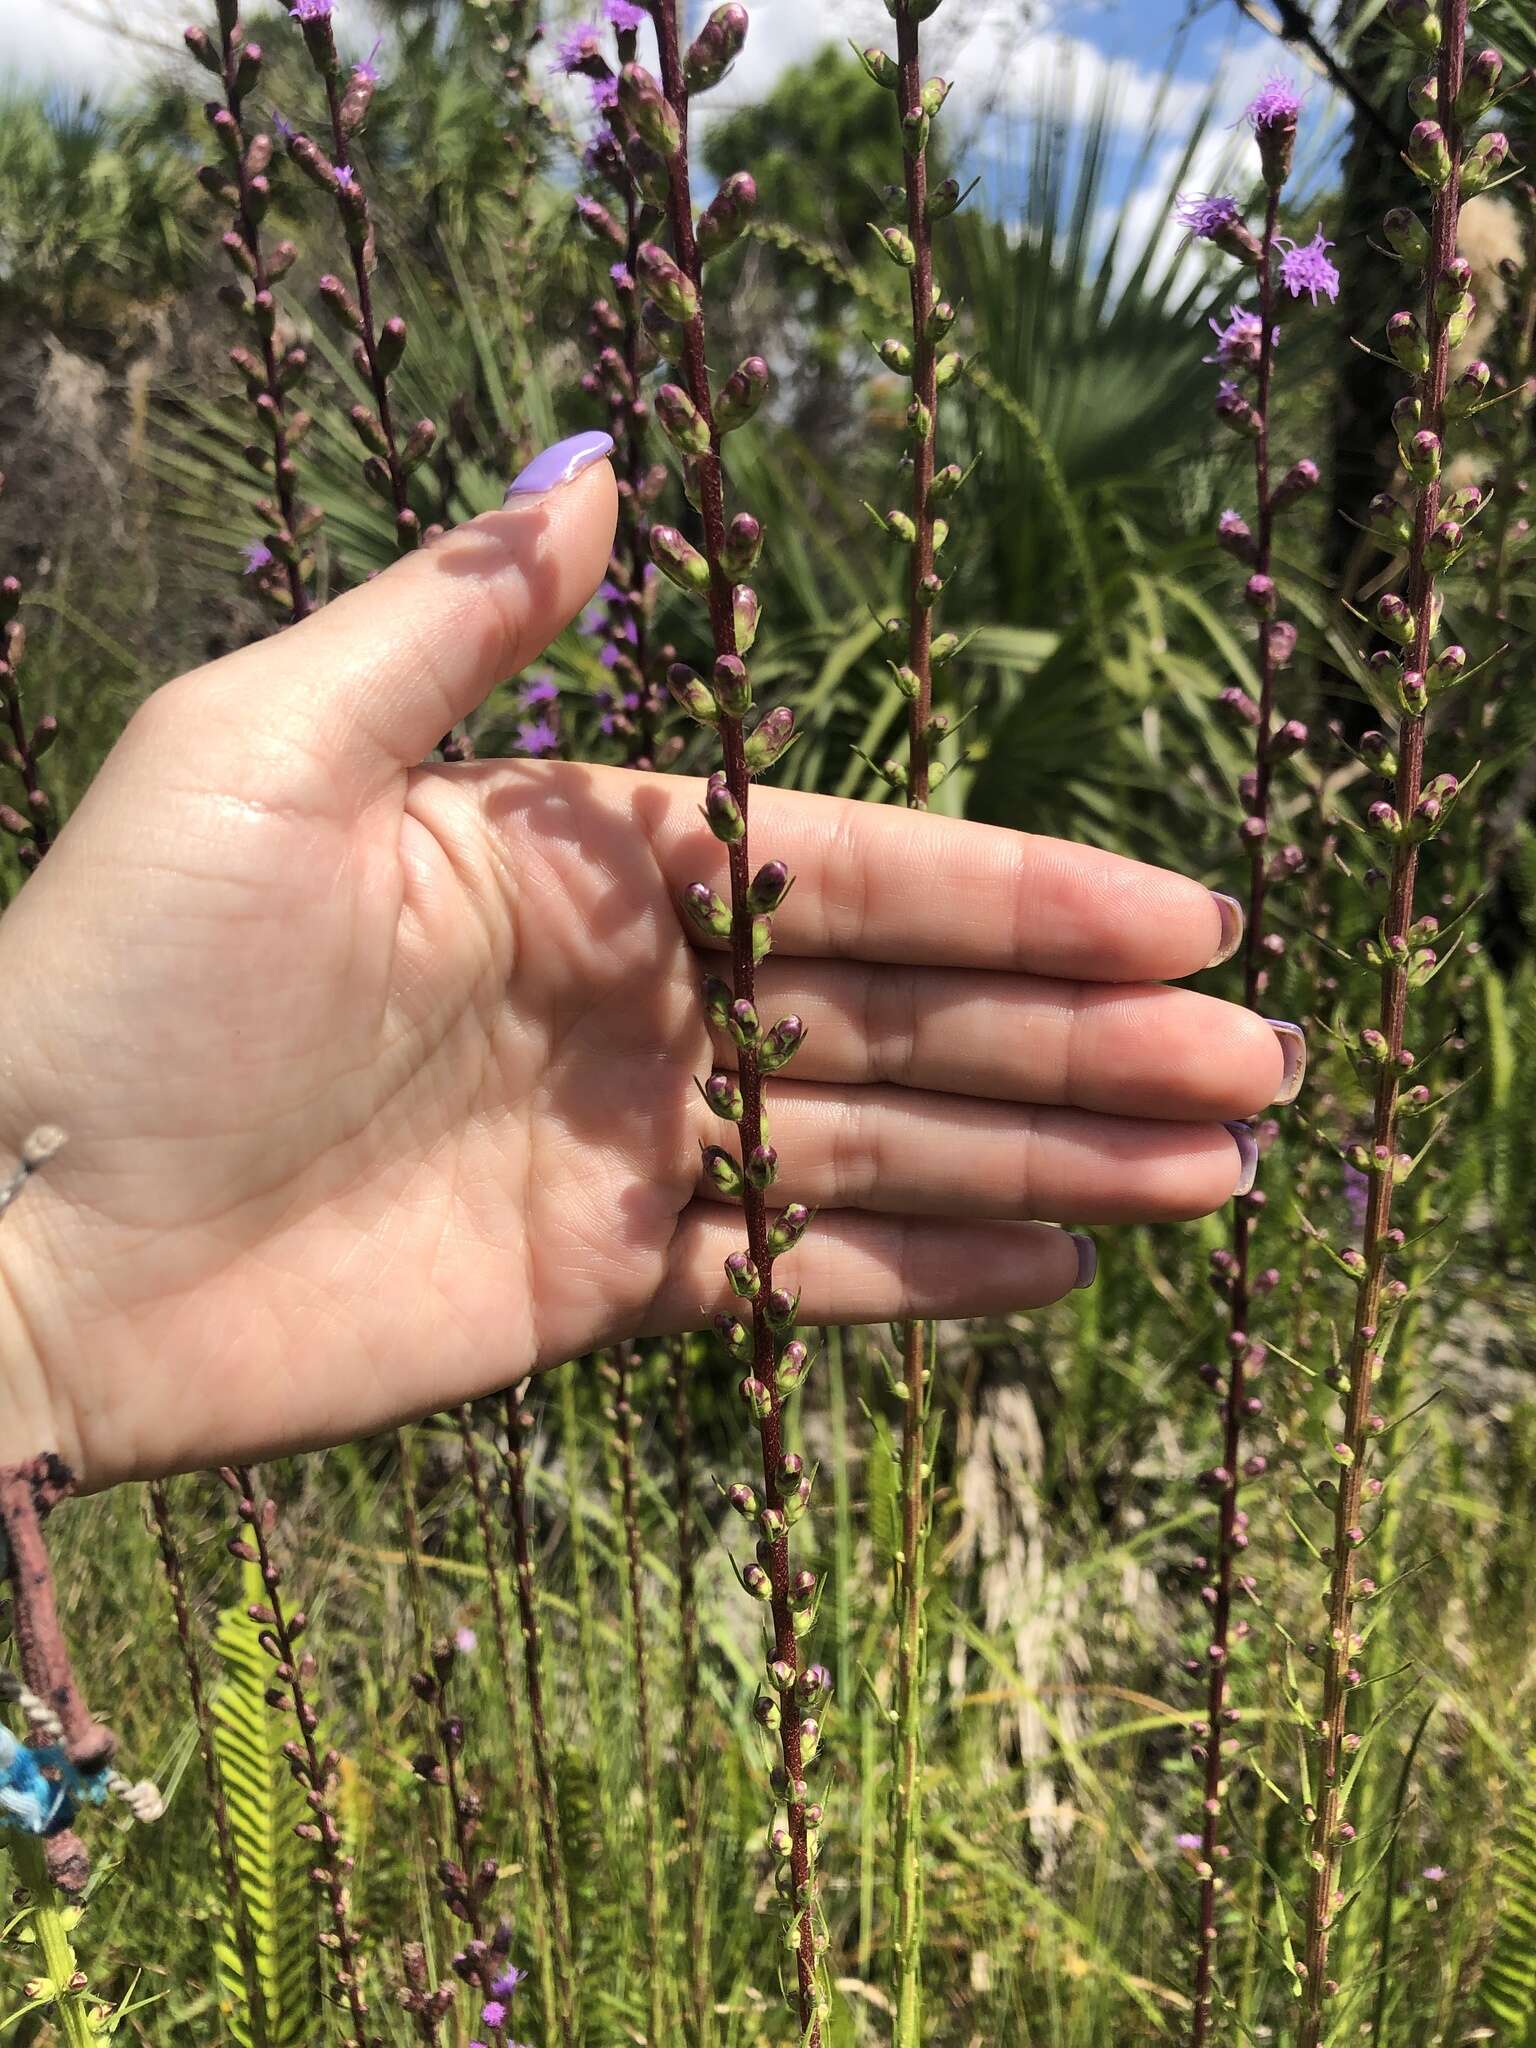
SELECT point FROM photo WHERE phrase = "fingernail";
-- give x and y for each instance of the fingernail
(1232, 922)
(1293, 1044)
(1087, 1258)
(1248, 1152)
(558, 465)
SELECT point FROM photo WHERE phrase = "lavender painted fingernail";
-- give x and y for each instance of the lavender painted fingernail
(558, 465)
(1087, 1258)
(1248, 1153)
(1232, 923)
(1293, 1044)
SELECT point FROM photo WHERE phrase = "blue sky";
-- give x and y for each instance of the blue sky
(1011, 60)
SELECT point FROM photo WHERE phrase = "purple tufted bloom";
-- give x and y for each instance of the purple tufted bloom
(605, 96)
(1305, 267)
(368, 69)
(493, 2013)
(310, 10)
(258, 556)
(346, 178)
(284, 127)
(1239, 342)
(541, 689)
(1275, 104)
(624, 14)
(610, 656)
(579, 49)
(504, 1985)
(1434, 1873)
(1206, 214)
(537, 737)
(623, 276)
(465, 1641)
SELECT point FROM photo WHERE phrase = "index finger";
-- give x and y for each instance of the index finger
(875, 882)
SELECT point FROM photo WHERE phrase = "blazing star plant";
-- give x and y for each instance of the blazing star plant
(696, 414)
(1426, 529)
(1246, 344)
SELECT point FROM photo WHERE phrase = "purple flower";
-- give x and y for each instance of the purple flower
(610, 656)
(608, 725)
(1307, 269)
(1205, 214)
(623, 277)
(578, 48)
(608, 592)
(1434, 1874)
(1356, 1193)
(284, 128)
(538, 737)
(604, 95)
(493, 2013)
(310, 10)
(1239, 342)
(346, 178)
(541, 690)
(1276, 103)
(1189, 1841)
(1231, 522)
(368, 69)
(258, 556)
(466, 1642)
(504, 1985)
(624, 14)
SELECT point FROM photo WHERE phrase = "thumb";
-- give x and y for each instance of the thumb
(373, 681)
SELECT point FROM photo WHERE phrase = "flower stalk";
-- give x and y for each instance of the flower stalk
(390, 456)
(522, 1770)
(1245, 350)
(619, 1373)
(316, 1770)
(923, 531)
(1422, 340)
(281, 562)
(696, 416)
(690, 1755)
(519, 1428)
(29, 741)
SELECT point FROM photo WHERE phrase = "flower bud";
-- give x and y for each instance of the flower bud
(1479, 83)
(1407, 236)
(1406, 339)
(1234, 534)
(1429, 156)
(742, 1023)
(723, 1094)
(645, 107)
(773, 734)
(708, 912)
(788, 1227)
(769, 887)
(741, 394)
(726, 215)
(718, 997)
(794, 1365)
(1394, 618)
(898, 246)
(1234, 409)
(943, 199)
(722, 1172)
(745, 613)
(716, 47)
(1390, 522)
(1443, 546)
(757, 1582)
(744, 1279)
(679, 561)
(681, 421)
(882, 69)
(1446, 667)
(1422, 457)
(733, 686)
(741, 547)
(780, 1045)
(761, 1167)
(1261, 597)
(665, 284)
(1483, 162)
(692, 693)
(734, 1334)
(1416, 21)
(1298, 480)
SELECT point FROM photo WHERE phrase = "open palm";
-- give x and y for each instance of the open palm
(378, 1078)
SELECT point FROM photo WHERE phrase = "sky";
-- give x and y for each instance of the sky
(1010, 61)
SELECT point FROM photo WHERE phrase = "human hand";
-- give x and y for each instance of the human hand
(378, 1077)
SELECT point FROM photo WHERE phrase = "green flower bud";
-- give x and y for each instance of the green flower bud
(773, 735)
(1484, 162)
(692, 693)
(741, 394)
(716, 47)
(727, 214)
(661, 279)
(1407, 236)
(896, 355)
(681, 421)
(721, 1171)
(645, 107)
(679, 561)
(898, 246)
(884, 70)
(1406, 339)
(733, 686)
(745, 612)
(708, 912)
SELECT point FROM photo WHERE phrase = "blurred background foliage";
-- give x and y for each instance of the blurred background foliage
(1105, 630)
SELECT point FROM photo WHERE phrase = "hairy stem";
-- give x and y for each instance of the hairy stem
(690, 1746)
(1364, 1359)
